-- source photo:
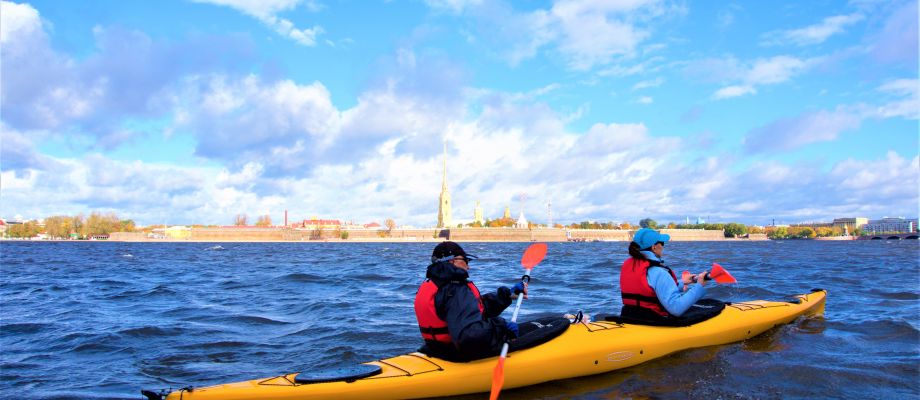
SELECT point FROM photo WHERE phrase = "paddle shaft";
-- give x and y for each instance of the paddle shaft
(517, 308)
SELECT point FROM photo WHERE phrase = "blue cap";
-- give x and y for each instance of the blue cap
(647, 237)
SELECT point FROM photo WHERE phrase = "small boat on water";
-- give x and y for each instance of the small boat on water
(582, 348)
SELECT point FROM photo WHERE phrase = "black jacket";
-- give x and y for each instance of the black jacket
(474, 335)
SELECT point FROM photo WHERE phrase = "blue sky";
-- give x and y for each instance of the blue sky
(196, 111)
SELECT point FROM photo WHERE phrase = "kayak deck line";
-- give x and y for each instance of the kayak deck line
(585, 348)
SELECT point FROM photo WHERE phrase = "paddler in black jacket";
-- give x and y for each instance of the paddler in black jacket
(457, 323)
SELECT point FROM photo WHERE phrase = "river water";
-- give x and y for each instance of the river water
(103, 320)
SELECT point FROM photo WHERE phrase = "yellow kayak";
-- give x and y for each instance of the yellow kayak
(585, 348)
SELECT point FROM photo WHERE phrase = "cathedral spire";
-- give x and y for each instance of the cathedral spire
(444, 214)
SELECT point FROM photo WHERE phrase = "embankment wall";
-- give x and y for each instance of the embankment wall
(253, 234)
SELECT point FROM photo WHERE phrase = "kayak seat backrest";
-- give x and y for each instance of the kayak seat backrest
(347, 374)
(699, 312)
(538, 331)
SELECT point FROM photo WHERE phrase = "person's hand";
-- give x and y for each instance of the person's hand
(520, 287)
(700, 278)
(512, 327)
(687, 279)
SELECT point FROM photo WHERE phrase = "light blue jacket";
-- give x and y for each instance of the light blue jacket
(672, 296)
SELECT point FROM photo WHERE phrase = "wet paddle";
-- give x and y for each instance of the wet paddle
(532, 256)
(717, 273)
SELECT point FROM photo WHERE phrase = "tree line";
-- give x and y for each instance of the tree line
(67, 227)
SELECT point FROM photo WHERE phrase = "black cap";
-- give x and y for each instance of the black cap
(448, 249)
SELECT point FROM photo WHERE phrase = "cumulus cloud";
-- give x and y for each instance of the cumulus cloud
(813, 34)
(792, 133)
(267, 13)
(131, 76)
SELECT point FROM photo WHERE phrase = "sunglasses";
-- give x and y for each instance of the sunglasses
(661, 243)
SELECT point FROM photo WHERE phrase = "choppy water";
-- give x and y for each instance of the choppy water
(103, 320)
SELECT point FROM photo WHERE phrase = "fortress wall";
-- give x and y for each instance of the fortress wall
(237, 234)
(607, 235)
(252, 234)
(680, 235)
(128, 236)
(507, 235)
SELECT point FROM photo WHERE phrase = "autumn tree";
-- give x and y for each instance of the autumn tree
(648, 223)
(240, 220)
(264, 220)
(24, 230)
(390, 224)
(735, 229)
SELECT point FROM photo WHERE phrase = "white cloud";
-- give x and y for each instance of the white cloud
(908, 104)
(18, 21)
(586, 33)
(814, 34)
(768, 71)
(645, 100)
(733, 91)
(807, 128)
(267, 12)
(593, 33)
(456, 6)
(653, 83)
(775, 70)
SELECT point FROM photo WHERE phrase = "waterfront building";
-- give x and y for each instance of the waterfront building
(507, 213)
(521, 221)
(890, 225)
(178, 232)
(477, 215)
(850, 223)
(444, 214)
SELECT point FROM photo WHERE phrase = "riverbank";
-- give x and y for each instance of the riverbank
(499, 235)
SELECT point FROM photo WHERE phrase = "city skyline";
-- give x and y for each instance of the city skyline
(611, 111)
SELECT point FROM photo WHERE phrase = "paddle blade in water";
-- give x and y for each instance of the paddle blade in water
(498, 375)
(721, 275)
(533, 255)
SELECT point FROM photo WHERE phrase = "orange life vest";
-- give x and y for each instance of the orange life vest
(433, 327)
(634, 285)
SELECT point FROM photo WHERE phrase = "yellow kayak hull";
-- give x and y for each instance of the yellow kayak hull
(583, 349)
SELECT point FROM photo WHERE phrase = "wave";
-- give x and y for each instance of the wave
(26, 327)
(900, 295)
(302, 278)
(151, 331)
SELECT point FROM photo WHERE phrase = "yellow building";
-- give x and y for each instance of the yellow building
(179, 232)
(851, 224)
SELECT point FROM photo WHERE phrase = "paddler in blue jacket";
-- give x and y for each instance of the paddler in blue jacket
(650, 289)
(456, 321)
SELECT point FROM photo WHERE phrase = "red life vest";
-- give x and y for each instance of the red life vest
(634, 285)
(433, 327)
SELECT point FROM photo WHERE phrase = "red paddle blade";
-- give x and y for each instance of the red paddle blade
(533, 255)
(498, 378)
(721, 275)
